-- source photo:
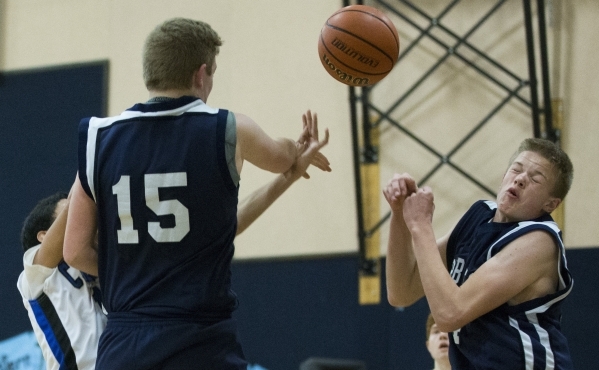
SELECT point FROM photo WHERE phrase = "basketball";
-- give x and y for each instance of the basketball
(358, 45)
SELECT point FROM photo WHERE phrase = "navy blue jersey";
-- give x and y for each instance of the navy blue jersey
(524, 336)
(167, 209)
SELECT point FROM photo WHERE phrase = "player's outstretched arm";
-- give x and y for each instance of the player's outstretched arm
(80, 234)
(256, 203)
(255, 146)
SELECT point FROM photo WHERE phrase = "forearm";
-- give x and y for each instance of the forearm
(86, 260)
(286, 154)
(256, 203)
(50, 252)
(403, 280)
(255, 146)
(81, 231)
(441, 291)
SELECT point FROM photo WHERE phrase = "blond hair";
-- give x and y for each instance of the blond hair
(175, 50)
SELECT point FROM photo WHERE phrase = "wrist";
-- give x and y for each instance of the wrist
(290, 176)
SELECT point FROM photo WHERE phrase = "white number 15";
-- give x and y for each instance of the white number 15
(152, 182)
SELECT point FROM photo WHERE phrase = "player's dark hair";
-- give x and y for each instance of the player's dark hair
(39, 219)
(557, 157)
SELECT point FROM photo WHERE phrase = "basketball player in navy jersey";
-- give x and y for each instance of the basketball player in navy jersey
(64, 304)
(497, 280)
(159, 183)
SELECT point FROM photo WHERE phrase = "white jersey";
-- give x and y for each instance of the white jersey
(65, 312)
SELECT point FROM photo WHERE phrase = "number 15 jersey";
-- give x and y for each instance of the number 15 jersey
(167, 208)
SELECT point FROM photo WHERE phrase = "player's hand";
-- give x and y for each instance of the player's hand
(398, 189)
(418, 207)
(309, 145)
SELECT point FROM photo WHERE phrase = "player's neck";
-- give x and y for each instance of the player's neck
(172, 93)
(443, 365)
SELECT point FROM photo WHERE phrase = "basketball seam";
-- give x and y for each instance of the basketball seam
(370, 14)
(359, 38)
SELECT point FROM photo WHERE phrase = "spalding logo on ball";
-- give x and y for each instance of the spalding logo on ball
(358, 45)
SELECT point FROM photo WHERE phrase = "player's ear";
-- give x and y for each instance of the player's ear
(40, 235)
(551, 204)
(198, 76)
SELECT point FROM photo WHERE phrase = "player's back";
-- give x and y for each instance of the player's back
(166, 209)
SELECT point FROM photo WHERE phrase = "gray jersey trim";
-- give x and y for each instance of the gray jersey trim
(230, 146)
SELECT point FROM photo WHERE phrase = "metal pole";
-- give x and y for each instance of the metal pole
(532, 71)
(545, 72)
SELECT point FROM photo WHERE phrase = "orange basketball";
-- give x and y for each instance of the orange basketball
(358, 45)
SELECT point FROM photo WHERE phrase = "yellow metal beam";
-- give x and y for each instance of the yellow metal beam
(370, 284)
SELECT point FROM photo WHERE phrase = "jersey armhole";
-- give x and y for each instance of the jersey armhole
(221, 131)
(231, 147)
(82, 156)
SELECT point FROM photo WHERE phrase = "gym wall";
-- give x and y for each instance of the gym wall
(293, 285)
(269, 69)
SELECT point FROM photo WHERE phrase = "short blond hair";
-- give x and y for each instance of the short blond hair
(175, 49)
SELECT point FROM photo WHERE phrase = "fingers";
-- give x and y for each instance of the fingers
(400, 186)
(307, 119)
(326, 139)
(320, 161)
(419, 206)
(317, 159)
(310, 122)
(388, 195)
(304, 136)
(309, 146)
(426, 189)
(423, 194)
(314, 127)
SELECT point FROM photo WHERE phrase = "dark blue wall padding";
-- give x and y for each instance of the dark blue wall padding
(291, 310)
(39, 113)
(580, 321)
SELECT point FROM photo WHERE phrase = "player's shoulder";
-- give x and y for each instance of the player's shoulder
(479, 210)
(484, 205)
(534, 236)
(246, 126)
(242, 120)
